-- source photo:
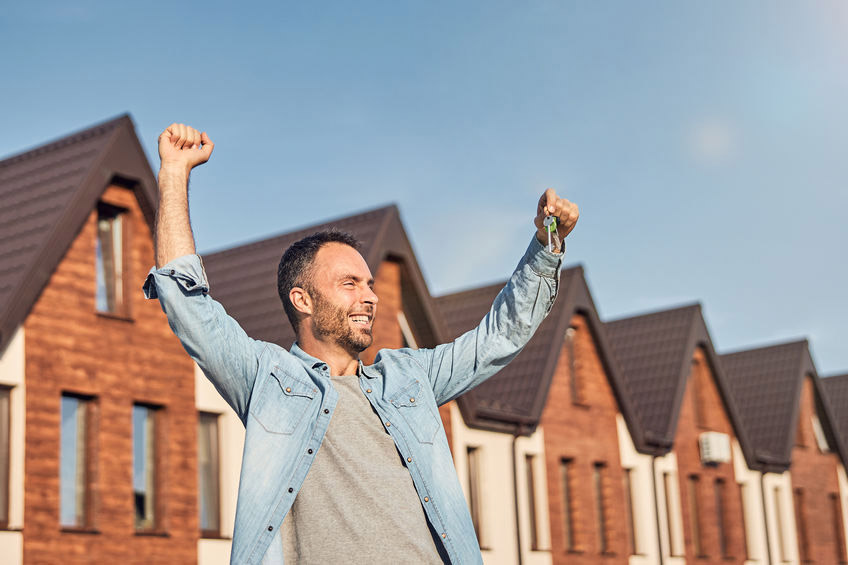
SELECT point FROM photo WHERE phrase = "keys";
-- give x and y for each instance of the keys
(550, 227)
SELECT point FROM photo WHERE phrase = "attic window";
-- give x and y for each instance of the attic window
(110, 259)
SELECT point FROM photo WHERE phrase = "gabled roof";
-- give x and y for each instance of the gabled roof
(836, 395)
(654, 352)
(514, 398)
(46, 195)
(766, 384)
(244, 278)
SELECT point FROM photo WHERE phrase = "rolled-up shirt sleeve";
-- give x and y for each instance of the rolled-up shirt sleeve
(216, 342)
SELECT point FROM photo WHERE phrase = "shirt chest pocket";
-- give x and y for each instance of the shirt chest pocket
(416, 413)
(283, 402)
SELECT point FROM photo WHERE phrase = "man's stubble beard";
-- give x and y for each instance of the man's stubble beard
(331, 321)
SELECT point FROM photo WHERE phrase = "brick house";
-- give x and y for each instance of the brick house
(692, 438)
(99, 393)
(796, 449)
(537, 445)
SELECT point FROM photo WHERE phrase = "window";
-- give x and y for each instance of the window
(531, 501)
(5, 455)
(631, 522)
(208, 473)
(838, 528)
(576, 397)
(801, 519)
(109, 259)
(474, 499)
(567, 509)
(672, 512)
(600, 503)
(74, 469)
(694, 514)
(781, 535)
(748, 546)
(144, 466)
(720, 517)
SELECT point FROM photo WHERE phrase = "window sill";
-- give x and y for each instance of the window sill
(214, 536)
(5, 528)
(115, 316)
(152, 533)
(581, 404)
(79, 530)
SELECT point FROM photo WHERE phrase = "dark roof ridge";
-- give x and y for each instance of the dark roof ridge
(662, 310)
(794, 341)
(64, 141)
(567, 271)
(264, 240)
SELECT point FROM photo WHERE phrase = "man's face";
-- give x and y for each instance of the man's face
(343, 302)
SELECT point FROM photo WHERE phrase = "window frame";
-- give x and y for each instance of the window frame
(473, 454)
(216, 455)
(5, 489)
(89, 466)
(156, 414)
(565, 471)
(121, 309)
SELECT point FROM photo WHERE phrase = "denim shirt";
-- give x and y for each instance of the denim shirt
(285, 398)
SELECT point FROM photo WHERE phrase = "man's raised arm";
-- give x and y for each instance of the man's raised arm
(227, 356)
(181, 148)
(516, 313)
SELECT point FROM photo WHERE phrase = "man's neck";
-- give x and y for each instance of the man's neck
(340, 361)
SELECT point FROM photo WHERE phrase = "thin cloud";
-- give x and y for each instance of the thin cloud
(713, 141)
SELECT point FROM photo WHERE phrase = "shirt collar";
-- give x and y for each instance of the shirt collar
(315, 363)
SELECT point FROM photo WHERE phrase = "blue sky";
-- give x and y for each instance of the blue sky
(704, 142)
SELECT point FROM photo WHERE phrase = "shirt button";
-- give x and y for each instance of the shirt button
(309, 451)
(270, 528)
(409, 459)
(368, 391)
(388, 424)
(412, 400)
(326, 411)
(426, 499)
(291, 489)
(288, 389)
(172, 272)
(444, 535)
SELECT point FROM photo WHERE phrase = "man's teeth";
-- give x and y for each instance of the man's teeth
(360, 319)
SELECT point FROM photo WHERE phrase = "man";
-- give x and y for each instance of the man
(342, 462)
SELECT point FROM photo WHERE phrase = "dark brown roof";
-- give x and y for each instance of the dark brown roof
(654, 352)
(46, 195)
(836, 394)
(514, 398)
(766, 385)
(244, 279)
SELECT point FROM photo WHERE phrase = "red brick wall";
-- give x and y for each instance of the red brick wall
(586, 434)
(386, 329)
(702, 410)
(815, 473)
(69, 347)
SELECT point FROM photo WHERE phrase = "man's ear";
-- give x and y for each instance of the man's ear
(301, 300)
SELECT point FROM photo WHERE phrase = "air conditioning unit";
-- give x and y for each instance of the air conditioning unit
(715, 448)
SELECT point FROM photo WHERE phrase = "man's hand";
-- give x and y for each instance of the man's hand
(565, 212)
(183, 148)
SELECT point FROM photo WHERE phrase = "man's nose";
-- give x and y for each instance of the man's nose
(370, 297)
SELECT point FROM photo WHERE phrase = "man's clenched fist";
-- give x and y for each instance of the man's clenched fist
(183, 147)
(565, 212)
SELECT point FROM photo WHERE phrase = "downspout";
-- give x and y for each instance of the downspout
(657, 509)
(515, 489)
(765, 516)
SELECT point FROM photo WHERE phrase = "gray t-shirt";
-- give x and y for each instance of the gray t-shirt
(358, 503)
